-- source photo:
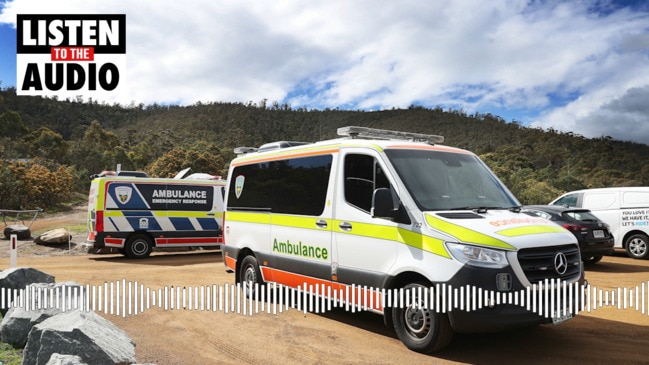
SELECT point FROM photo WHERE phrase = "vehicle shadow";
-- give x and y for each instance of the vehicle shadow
(627, 266)
(580, 340)
(184, 258)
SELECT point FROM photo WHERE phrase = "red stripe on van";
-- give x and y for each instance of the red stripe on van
(189, 241)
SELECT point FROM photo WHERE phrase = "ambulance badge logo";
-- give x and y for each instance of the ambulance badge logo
(238, 185)
(123, 194)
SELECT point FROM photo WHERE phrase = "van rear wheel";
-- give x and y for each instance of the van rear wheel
(637, 246)
(421, 328)
(249, 275)
(138, 246)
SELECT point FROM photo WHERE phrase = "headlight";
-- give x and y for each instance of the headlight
(478, 256)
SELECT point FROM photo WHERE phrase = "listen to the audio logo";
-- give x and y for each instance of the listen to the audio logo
(69, 55)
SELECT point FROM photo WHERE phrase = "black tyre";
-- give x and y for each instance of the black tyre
(420, 328)
(138, 246)
(637, 246)
(592, 260)
(249, 275)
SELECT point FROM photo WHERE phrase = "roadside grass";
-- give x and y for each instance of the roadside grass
(72, 228)
(10, 355)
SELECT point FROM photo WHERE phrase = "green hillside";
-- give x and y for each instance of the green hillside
(81, 137)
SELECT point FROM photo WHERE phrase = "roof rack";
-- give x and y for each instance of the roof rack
(244, 150)
(279, 144)
(374, 133)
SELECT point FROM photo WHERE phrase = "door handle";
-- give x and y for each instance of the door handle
(321, 223)
(345, 226)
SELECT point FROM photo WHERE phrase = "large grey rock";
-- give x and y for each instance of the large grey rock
(53, 237)
(45, 301)
(85, 334)
(58, 359)
(18, 278)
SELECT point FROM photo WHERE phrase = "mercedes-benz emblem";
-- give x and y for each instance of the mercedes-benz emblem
(560, 263)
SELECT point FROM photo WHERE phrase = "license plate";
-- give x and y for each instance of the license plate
(561, 316)
(598, 233)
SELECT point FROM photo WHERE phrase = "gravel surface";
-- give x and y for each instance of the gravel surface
(200, 336)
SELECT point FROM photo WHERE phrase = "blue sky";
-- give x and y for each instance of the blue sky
(575, 66)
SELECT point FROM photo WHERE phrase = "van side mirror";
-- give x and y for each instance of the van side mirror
(383, 204)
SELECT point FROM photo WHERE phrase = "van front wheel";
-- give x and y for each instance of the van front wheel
(419, 327)
(249, 275)
(138, 246)
(637, 246)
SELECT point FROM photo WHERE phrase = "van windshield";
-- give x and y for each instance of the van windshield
(439, 180)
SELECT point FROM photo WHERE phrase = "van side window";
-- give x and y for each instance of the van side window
(362, 175)
(567, 201)
(292, 186)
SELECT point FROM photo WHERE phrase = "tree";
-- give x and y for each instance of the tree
(176, 160)
(11, 125)
(46, 144)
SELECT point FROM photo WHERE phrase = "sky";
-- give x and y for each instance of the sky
(575, 66)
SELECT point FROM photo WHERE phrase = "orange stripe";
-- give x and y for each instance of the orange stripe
(231, 263)
(284, 156)
(358, 296)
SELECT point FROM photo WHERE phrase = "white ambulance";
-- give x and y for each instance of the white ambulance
(624, 209)
(136, 214)
(390, 210)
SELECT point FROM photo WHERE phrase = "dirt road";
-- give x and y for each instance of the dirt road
(603, 336)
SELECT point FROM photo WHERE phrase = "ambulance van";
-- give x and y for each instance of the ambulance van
(136, 214)
(624, 209)
(391, 210)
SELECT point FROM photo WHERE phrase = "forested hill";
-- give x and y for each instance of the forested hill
(87, 137)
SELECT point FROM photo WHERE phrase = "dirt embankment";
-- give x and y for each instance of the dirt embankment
(602, 336)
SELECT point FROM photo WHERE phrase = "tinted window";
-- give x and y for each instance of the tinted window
(363, 175)
(569, 200)
(293, 186)
(582, 216)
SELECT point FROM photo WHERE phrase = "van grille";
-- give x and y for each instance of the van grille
(539, 263)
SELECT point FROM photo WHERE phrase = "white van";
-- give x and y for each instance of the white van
(625, 210)
(390, 210)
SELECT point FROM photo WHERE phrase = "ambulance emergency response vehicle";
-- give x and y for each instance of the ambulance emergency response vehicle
(137, 214)
(392, 210)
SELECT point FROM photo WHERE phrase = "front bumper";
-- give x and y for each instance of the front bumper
(491, 304)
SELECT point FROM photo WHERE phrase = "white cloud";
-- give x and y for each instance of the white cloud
(560, 62)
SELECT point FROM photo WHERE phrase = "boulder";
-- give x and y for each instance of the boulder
(18, 278)
(58, 359)
(57, 236)
(85, 334)
(18, 321)
(21, 231)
